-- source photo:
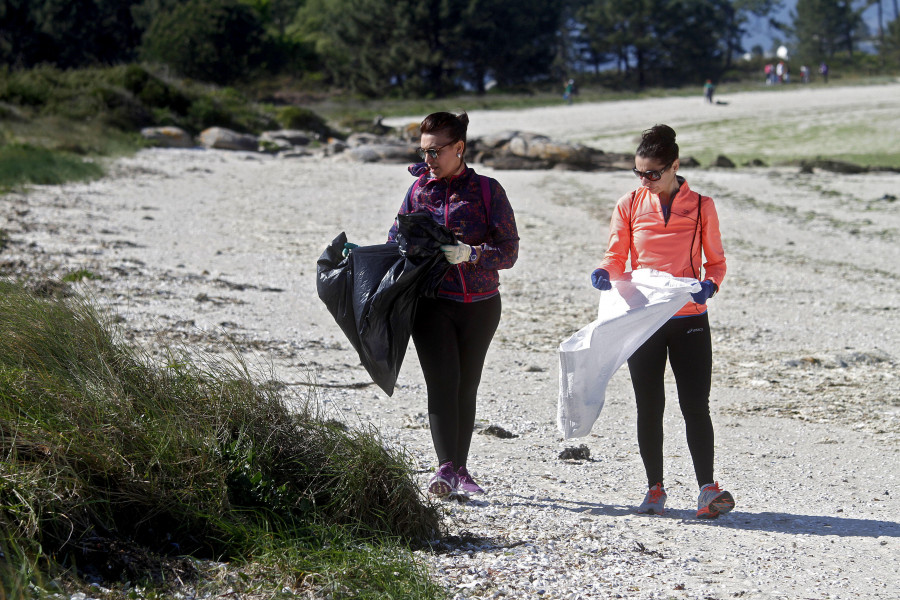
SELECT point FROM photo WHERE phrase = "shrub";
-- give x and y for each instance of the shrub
(295, 117)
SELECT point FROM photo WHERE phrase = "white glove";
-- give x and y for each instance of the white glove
(457, 253)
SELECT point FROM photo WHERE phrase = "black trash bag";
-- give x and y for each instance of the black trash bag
(420, 239)
(372, 293)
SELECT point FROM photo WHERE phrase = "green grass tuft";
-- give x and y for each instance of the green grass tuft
(25, 164)
(105, 454)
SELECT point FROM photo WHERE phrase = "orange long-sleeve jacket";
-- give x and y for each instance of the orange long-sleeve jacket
(674, 245)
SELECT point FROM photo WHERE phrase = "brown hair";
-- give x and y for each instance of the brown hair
(658, 143)
(454, 126)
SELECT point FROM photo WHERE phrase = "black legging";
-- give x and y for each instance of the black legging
(452, 340)
(688, 343)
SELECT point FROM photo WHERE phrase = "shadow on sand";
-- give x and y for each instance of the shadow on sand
(777, 522)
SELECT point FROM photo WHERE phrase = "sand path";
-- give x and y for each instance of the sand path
(209, 247)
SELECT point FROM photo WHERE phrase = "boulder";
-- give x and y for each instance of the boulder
(411, 133)
(274, 146)
(168, 137)
(837, 166)
(724, 162)
(541, 148)
(511, 162)
(383, 152)
(496, 140)
(295, 152)
(221, 138)
(293, 137)
(365, 139)
(335, 146)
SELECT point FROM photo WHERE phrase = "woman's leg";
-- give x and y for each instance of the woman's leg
(434, 334)
(477, 324)
(452, 339)
(690, 354)
(647, 367)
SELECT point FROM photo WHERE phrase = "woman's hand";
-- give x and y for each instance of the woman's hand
(456, 253)
(707, 291)
(600, 280)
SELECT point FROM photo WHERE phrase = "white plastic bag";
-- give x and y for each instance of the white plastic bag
(627, 316)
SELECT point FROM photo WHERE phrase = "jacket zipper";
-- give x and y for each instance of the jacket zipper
(466, 296)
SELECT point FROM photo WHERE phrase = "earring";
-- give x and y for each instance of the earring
(458, 155)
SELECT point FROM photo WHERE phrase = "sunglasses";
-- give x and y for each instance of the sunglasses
(651, 175)
(432, 152)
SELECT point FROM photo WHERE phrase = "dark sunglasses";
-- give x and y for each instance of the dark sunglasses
(432, 152)
(651, 175)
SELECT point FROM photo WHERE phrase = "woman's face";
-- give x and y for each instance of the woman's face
(646, 167)
(447, 163)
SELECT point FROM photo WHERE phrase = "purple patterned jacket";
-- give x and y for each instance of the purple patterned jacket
(458, 204)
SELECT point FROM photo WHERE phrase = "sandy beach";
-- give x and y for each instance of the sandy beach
(217, 250)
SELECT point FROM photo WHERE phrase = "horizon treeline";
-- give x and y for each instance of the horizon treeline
(431, 48)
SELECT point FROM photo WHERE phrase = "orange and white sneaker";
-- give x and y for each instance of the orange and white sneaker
(654, 502)
(713, 501)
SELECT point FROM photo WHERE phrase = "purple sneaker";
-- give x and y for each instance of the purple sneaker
(444, 480)
(466, 483)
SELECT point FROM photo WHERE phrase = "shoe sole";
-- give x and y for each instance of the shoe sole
(440, 488)
(722, 504)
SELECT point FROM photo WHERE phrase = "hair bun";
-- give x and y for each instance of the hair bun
(659, 134)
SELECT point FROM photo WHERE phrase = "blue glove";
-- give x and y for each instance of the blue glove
(707, 289)
(600, 280)
(348, 246)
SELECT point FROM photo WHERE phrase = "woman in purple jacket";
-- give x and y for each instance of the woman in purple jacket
(453, 331)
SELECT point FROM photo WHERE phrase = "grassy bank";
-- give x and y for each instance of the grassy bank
(21, 164)
(149, 478)
(54, 123)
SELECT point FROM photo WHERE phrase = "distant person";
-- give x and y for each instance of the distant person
(569, 91)
(804, 74)
(779, 72)
(769, 70)
(823, 71)
(708, 90)
(665, 225)
(453, 331)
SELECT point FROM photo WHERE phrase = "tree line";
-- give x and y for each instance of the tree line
(430, 48)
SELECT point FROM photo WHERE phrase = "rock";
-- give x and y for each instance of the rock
(755, 163)
(497, 431)
(689, 161)
(497, 140)
(510, 162)
(582, 452)
(221, 138)
(293, 137)
(295, 153)
(274, 146)
(168, 137)
(364, 139)
(723, 162)
(838, 166)
(402, 153)
(335, 147)
(411, 133)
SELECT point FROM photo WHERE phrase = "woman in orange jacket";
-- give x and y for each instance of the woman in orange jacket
(666, 226)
